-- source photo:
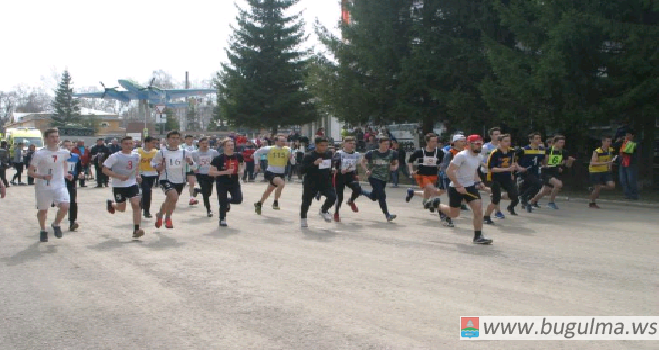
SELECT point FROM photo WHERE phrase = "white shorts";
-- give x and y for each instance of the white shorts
(47, 196)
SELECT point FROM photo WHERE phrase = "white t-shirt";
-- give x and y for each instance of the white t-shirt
(123, 164)
(467, 163)
(486, 150)
(203, 160)
(175, 165)
(51, 162)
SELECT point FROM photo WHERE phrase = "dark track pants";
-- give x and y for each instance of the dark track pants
(342, 181)
(73, 202)
(377, 193)
(310, 190)
(206, 184)
(234, 190)
(147, 186)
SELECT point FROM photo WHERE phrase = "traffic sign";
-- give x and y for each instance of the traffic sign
(160, 109)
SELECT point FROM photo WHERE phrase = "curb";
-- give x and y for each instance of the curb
(575, 199)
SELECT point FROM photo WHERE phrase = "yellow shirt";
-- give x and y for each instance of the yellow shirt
(145, 162)
(602, 157)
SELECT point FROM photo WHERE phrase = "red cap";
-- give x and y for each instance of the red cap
(474, 138)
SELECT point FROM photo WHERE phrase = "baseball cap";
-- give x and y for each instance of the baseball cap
(474, 138)
(458, 137)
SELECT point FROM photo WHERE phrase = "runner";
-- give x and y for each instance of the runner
(501, 165)
(203, 158)
(148, 173)
(427, 160)
(277, 155)
(600, 170)
(346, 161)
(381, 162)
(457, 146)
(49, 168)
(74, 166)
(122, 168)
(530, 159)
(488, 148)
(189, 147)
(226, 167)
(556, 158)
(171, 163)
(317, 166)
(465, 184)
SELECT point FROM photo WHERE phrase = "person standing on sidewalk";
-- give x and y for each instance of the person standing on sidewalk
(628, 164)
(28, 159)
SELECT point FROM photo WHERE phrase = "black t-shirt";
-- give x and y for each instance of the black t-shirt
(428, 161)
(500, 159)
(318, 174)
(225, 162)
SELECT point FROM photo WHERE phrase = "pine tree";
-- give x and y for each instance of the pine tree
(67, 109)
(263, 85)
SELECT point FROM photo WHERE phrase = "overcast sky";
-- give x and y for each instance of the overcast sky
(119, 39)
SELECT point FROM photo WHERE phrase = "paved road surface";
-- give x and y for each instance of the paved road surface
(262, 283)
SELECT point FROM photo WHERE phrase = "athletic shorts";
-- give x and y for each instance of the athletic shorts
(123, 193)
(45, 197)
(545, 177)
(456, 198)
(166, 185)
(270, 176)
(190, 173)
(601, 178)
(424, 180)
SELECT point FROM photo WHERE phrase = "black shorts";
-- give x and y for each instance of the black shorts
(270, 176)
(166, 185)
(123, 193)
(546, 176)
(190, 173)
(601, 178)
(456, 198)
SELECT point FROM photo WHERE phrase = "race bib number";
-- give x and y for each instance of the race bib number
(348, 164)
(175, 163)
(204, 161)
(429, 161)
(555, 159)
(325, 164)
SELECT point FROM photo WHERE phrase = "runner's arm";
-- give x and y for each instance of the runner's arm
(451, 174)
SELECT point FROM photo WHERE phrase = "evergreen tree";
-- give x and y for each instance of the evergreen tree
(263, 85)
(171, 122)
(67, 109)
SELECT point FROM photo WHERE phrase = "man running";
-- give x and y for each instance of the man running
(530, 159)
(457, 146)
(380, 162)
(122, 168)
(75, 169)
(501, 165)
(346, 161)
(203, 158)
(278, 156)
(465, 184)
(226, 167)
(317, 166)
(49, 168)
(189, 147)
(148, 173)
(600, 170)
(172, 163)
(556, 158)
(427, 160)
(488, 148)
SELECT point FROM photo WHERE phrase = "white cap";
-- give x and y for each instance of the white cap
(458, 137)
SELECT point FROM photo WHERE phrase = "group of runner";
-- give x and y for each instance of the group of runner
(460, 171)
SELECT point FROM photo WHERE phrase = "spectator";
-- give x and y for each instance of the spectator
(628, 164)
(402, 160)
(320, 132)
(18, 164)
(248, 157)
(114, 146)
(4, 162)
(359, 137)
(371, 143)
(387, 133)
(100, 152)
(28, 158)
(85, 160)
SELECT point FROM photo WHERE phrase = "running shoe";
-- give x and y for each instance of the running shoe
(409, 194)
(303, 222)
(354, 207)
(209, 214)
(73, 227)
(511, 211)
(138, 233)
(553, 206)
(390, 217)
(57, 230)
(193, 201)
(499, 215)
(109, 207)
(159, 220)
(327, 217)
(447, 222)
(488, 221)
(428, 204)
(168, 223)
(276, 206)
(482, 240)
(43, 236)
(337, 219)
(536, 205)
(257, 208)
(529, 208)
(594, 205)
(147, 215)
(223, 222)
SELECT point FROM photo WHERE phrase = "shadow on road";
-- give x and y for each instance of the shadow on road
(318, 234)
(112, 243)
(223, 232)
(164, 242)
(32, 252)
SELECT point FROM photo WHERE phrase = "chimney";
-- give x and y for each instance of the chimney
(187, 81)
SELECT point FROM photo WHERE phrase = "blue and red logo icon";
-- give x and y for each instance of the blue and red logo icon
(469, 327)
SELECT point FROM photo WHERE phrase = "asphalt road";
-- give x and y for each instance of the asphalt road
(263, 283)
